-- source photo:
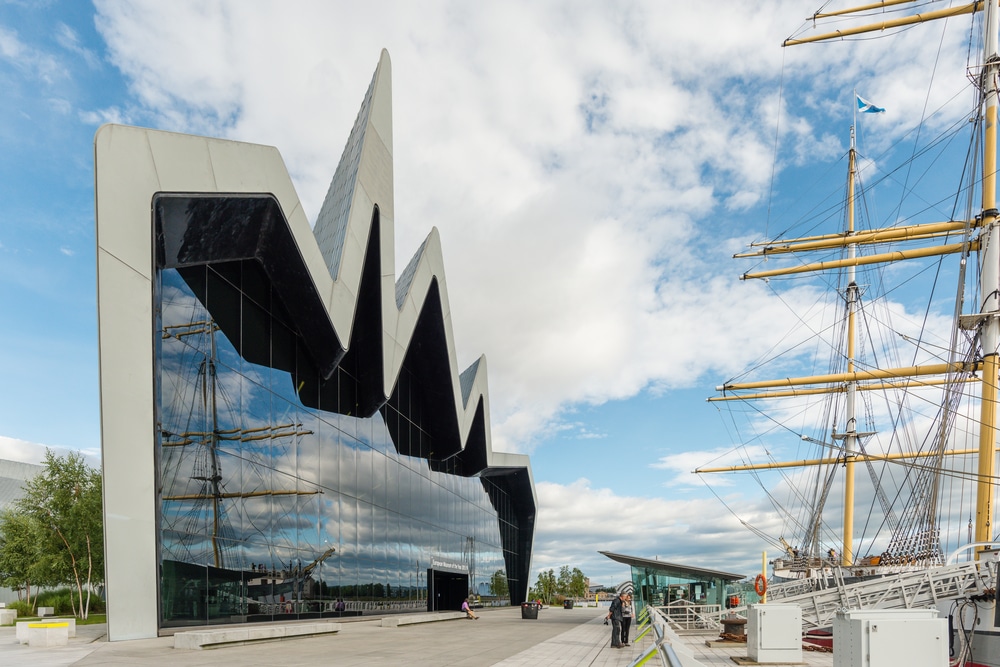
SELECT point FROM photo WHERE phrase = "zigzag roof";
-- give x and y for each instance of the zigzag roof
(348, 306)
(354, 230)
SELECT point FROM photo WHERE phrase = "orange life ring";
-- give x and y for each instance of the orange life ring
(760, 585)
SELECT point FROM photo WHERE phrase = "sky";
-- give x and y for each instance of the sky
(591, 166)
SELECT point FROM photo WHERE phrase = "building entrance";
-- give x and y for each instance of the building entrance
(447, 590)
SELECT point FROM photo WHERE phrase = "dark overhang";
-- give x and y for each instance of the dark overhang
(672, 568)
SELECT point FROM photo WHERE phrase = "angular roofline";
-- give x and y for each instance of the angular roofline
(134, 165)
(636, 561)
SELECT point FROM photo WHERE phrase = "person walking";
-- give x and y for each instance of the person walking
(468, 610)
(626, 618)
(615, 614)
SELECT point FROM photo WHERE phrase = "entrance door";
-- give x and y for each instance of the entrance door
(447, 590)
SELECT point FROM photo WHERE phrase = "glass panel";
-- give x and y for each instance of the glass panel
(285, 520)
(364, 472)
(348, 467)
(273, 509)
(308, 515)
(183, 593)
(379, 490)
(307, 448)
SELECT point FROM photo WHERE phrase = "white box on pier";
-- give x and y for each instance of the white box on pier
(774, 633)
(889, 637)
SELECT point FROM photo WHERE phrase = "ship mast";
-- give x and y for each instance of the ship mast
(988, 319)
(851, 437)
(990, 283)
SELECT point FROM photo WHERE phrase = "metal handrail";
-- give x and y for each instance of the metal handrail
(661, 646)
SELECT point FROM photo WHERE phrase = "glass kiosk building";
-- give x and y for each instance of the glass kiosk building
(659, 583)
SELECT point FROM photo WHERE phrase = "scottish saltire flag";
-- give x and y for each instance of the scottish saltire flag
(864, 106)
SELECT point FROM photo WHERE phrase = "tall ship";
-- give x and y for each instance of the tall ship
(872, 423)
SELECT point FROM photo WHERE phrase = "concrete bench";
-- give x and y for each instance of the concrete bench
(8, 616)
(46, 611)
(429, 617)
(246, 634)
(48, 634)
(21, 631)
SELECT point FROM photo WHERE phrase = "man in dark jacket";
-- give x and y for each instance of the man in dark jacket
(615, 614)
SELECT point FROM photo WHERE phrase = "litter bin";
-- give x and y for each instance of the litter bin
(567, 604)
(529, 610)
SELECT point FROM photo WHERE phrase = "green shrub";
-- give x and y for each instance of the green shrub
(62, 601)
(59, 600)
(22, 607)
(96, 604)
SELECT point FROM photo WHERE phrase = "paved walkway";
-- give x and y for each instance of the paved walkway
(571, 637)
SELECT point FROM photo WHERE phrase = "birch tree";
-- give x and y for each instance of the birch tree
(64, 503)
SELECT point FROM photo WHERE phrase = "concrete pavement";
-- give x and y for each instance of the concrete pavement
(570, 637)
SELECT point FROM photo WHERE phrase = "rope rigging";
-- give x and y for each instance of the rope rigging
(907, 492)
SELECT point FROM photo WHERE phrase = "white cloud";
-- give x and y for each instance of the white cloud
(576, 521)
(101, 116)
(10, 45)
(28, 58)
(69, 40)
(24, 451)
(682, 464)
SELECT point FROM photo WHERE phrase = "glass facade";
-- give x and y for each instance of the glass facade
(661, 583)
(660, 588)
(277, 500)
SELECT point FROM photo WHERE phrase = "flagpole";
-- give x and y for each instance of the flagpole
(854, 122)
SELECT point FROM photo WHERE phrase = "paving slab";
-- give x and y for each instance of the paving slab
(557, 637)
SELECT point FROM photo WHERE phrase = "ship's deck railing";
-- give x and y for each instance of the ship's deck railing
(907, 590)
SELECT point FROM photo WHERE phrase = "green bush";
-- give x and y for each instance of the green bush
(22, 607)
(62, 599)
(58, 599)
(96, 604)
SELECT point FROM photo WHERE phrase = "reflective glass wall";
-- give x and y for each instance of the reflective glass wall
(270, 509)
(660, 588)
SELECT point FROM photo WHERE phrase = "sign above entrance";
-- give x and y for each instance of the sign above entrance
(439, 564)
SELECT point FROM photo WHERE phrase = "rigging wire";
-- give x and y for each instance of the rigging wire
(777, 134)
(945, 410)
(749, 526)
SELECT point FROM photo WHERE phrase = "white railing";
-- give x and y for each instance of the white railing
(908, 590)
(685, 615)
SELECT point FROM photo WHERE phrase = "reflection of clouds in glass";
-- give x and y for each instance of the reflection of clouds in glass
(285, 483)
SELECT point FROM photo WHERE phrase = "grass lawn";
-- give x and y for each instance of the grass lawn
(92, 619)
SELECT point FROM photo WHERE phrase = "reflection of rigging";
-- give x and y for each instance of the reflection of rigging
(469, 556)
(207, 469)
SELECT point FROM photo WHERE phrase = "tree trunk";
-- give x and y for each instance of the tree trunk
(90, 573)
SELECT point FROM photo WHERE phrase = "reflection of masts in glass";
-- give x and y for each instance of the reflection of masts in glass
(469, 556)
(212, 478)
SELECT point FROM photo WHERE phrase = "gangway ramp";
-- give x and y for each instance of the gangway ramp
(906, 590)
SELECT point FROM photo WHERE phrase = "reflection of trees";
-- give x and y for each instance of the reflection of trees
(498, 584)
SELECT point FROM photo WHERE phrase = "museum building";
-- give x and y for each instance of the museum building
(285, 431)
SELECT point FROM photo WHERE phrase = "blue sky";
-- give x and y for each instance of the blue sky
(591, 168)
